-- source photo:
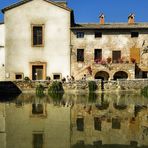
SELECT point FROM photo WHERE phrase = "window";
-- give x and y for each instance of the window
(134, 34)
(80, 124)
(56, 76)
(19, 76)
(37, 35)
(116, 56)
(98, 55)
(97, 124)
(38, 140)
(116, 123)
(98, 34)
(80, 34)
(80, 55)
(37, 109)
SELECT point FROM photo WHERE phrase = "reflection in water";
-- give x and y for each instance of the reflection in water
(37, 108)
(75, 121)
(38, 140)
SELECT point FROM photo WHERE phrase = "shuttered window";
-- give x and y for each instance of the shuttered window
(135, 55)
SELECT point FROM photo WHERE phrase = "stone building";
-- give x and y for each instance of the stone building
(51, 44)
(109, 50)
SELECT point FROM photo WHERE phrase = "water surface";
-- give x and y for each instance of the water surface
(106, 120)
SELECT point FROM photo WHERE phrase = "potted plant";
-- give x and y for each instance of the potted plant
(133, 60)
(109, 59)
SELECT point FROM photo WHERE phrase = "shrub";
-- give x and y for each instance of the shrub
(40, 90)
(144, 91)
(56, 91)
(92, 86)
(48, 78)
(56, 87)
(26, 79)
(92, 97)
(57, 97)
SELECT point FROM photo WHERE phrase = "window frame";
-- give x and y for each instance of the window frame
(78, 59)
(19, 73)
(57, 74)
(32, 36)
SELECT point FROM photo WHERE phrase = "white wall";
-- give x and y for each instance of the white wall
(56, 51)
(2, 52)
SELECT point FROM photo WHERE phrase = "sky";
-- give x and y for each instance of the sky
(87, 11)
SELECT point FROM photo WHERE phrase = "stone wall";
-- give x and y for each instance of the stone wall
(82, 86)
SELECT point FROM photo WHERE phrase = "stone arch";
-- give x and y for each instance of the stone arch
(120, 75)
(103, 75)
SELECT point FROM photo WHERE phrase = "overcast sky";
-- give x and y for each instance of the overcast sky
(114, 10)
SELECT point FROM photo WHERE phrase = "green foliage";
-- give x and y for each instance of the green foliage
(144, 91)
(57, 97)
(92, 86)
(56, 87)
(56, 91)
(40, 90)
(92, 97)
(26, 79)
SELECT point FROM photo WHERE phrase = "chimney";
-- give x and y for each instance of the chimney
(131, 19)
(102, 18)
(62, 3)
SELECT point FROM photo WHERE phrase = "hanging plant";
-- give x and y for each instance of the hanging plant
(89, 70)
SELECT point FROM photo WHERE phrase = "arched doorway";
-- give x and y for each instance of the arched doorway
(120, 75)
(103, 75)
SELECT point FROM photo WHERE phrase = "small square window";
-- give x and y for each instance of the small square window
(57, 76)
(19, 76)
(80, 34)
(98, 34)
(134, 34)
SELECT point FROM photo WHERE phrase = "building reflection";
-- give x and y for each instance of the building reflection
(109, 122)
(100, 120)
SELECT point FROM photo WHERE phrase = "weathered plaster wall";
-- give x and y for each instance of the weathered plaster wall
(21, 125)
(19, 51)
(2, 52)
(110, 41)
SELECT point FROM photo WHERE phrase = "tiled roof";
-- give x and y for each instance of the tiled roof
(111, 26)
(26, 1)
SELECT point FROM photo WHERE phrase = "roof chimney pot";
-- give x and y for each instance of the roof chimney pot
(131, 19)
(102, 18)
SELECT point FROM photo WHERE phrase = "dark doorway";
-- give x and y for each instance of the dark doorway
(120, 75)
(102, 75)
(37, 72)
